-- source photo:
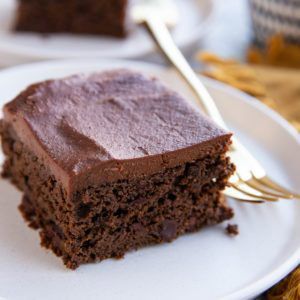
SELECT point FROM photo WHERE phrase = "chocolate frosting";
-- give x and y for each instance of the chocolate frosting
(108, 126)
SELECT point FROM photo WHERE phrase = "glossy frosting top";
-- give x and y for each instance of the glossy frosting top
(109, 126)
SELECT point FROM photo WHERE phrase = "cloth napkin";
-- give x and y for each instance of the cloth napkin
(279, 88)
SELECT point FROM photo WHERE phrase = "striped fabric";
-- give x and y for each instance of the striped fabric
(276, 16)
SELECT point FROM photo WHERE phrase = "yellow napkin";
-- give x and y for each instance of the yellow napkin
(287, 289)
(277, 52)
(279, 88)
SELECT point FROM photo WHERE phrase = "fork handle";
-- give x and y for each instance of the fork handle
(166, 44)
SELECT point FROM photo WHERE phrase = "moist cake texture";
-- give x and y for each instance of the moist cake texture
(111, 162)
(100, 17)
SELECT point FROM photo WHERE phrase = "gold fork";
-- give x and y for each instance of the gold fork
(250, 182)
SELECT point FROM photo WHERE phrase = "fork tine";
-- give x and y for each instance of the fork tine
(257, 173)
(236, 195)
(237, 181)
(254, 184)
(252, 201)
(265, 181)
(253, 193)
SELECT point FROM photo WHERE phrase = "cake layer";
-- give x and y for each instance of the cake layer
(112, 162)
(109, 219)
(110, 126)
(100, 17)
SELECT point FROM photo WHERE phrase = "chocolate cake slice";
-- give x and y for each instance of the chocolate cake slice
(100, 17)
(112, 162)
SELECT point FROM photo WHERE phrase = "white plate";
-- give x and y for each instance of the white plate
(204, 265)
(17, 48)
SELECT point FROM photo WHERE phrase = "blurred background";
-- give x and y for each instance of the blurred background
(230, 32)
(252, 45)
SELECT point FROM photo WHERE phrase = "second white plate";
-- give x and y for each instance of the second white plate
(18, 48)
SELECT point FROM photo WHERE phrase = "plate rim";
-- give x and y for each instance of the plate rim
(28, 52)
(261, 285)
(265, 282)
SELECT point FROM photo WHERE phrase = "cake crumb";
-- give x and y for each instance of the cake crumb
(232, 229)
